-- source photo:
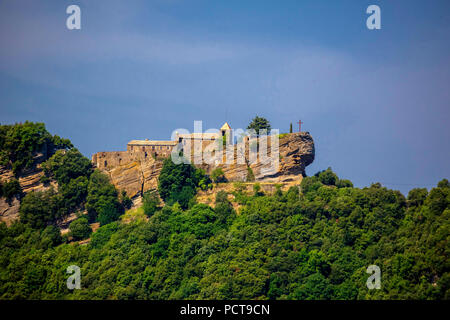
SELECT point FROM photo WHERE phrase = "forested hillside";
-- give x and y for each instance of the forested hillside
(314, 241)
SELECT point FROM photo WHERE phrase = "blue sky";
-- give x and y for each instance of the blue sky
(375, 102)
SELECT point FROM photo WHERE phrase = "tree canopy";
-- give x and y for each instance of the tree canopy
(179, 182)
(258, 124)
(314, 241)
(19, 143)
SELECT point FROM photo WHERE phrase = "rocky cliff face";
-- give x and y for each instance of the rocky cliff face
(296, 151)
(29, 181)
(138, 172)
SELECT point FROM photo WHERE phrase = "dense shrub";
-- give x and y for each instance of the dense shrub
(103, 234)
(102, 198)
(178, 182)
(150, 202)
(80, 229)
(10, 189)
(20, 141)
(40, 208)
(125, 200)
(218, 175)
(66, 165)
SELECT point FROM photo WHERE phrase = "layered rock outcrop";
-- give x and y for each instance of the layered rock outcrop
(137, 172)
(29, 180)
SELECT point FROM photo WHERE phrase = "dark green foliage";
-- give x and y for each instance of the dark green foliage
(178, 182)
(183, 197)
(125, 200)
(50, 237)
(313, 242)
(19, 142)
(204, 181)
(327, 177)
(61, 143)
(250, 175)
(74, 194)
(344, 183)
(102, 199)
(10, 189)
(257, 190)
(80, 229)
(259, 123)
(66, 165)
(108, 213)
(150, 202)
(218, 175)
(224, 208)
(290, 127)
(444, 183)
(417, 196)
(103, 234)
(39, 209)
(45, 180)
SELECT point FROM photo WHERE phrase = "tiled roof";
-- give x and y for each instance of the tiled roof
(225, 126)
(152, 143)
(199, 135)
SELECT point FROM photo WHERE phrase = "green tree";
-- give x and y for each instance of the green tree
(80, 229)
(103, 235)
(125, 200)
(177, 182)
(218, 175)
(102, 198)
(224, 208)
(11, 188)
(50, 237)
(259, 123)
(327, 177)
(344, 183)
(417, 196)
(150, 202)
(21, 141)
(74, 194)
(66, 165)
(250, 175)
(204, 181)
(40, 208)
(108, 212)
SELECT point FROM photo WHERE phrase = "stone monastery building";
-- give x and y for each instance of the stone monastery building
(154, 148)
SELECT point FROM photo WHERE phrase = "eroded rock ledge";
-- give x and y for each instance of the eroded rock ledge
(136, 172)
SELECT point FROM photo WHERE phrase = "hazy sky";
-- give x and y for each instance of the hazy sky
(376, 102)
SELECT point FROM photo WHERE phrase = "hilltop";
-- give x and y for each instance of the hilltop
(298, 238)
